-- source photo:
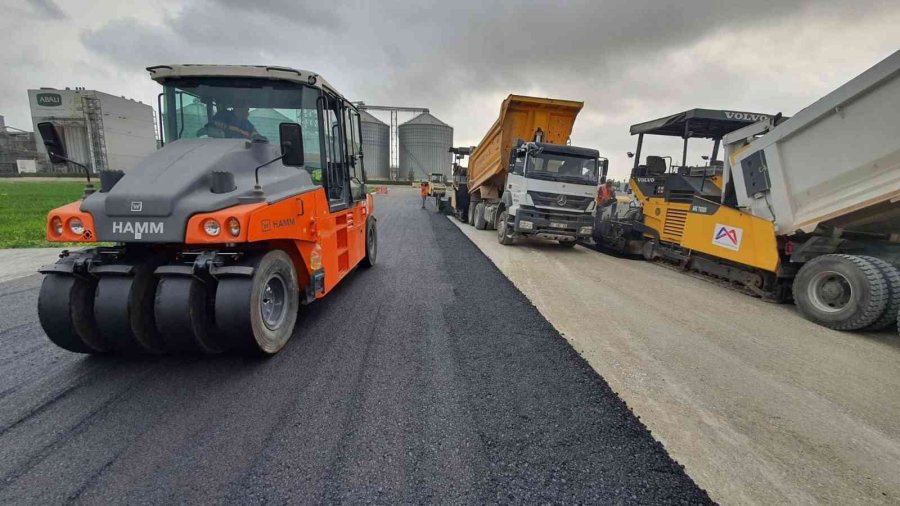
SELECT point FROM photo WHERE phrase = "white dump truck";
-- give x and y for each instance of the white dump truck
(815, 200)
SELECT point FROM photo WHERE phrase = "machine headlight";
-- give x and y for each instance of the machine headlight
(211, 227)
(56, 226)
(76, 226)
(234, 226)
(526, 225)
(585, 230)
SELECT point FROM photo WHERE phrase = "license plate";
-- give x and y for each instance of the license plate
(557, 225)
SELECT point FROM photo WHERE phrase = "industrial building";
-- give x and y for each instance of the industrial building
(411, 150)
(100, 130)
(425, 143)
(17, 150)
(376, 145)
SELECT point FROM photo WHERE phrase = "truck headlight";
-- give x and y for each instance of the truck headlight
(526, 225)
(585, 230)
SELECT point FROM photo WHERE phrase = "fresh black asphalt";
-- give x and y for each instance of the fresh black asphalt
(429, 378)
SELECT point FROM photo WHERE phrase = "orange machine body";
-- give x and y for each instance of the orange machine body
(302, 225)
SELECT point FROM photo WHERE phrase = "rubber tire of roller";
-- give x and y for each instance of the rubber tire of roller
(66, 313)
(123, 310)
(371, 244)
(891, 277)
(869, 292)
(238, 316)
(183, 318)
(480, 222)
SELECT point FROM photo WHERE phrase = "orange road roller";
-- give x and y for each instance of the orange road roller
(254, 205)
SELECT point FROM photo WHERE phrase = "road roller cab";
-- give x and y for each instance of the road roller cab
(254, 205)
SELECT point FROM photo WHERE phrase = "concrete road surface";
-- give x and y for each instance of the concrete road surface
(760, 405)
(22, 262)
(428, 378)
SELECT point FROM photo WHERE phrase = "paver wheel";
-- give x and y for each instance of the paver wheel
(371, 243)
(258, 313)
(66, 312)
(892, 279)
(183, 315)
(504, 234)
(480, 222)
(842, 292)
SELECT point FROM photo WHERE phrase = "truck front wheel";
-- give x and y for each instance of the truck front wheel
(504, 232)
(841, 292)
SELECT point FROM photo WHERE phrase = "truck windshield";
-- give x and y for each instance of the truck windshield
(243, 108)
(559, 167)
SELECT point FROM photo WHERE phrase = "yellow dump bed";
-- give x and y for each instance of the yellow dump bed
(520, 117)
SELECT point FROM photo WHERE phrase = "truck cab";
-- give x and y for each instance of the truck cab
(550, 192)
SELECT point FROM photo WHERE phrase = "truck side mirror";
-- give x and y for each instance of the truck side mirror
(604, 169)
(291, 140)
(56, 148)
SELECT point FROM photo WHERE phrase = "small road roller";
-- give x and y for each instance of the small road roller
(255, 204)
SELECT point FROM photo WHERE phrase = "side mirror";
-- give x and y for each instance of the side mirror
(291, 139)
(604, 168)
(56, 148)
(630, 154)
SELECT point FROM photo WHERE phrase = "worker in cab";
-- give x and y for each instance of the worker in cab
(423, 192)
(231, 123)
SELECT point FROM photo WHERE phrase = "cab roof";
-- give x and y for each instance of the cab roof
(163, 73)
(705, 123)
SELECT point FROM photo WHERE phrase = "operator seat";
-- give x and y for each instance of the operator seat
(656, 165)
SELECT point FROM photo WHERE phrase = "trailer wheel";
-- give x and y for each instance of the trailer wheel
(842, 292)
(123, 309)
(258, 313)
(892, 279)
(66, 312)
(480, 222)
(504, 235)
(183, 319)
(371, 244)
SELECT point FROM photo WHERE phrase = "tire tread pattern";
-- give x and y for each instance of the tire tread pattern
(877, 287)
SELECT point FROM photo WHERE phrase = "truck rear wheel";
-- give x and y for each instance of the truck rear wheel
(504, 234)
(841, 292)
(471, 214)
(892, 278)
(480, 223)
(258, 313)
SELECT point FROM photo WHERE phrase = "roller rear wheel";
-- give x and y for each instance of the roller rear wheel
(66, 312)
(258, 313)
(123, 309)
(371, 243)
(183, 317)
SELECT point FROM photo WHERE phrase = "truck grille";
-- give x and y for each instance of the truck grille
(575, 202)
(674, 225)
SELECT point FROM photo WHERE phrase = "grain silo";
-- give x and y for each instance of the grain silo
(376, 145)
(425, 143)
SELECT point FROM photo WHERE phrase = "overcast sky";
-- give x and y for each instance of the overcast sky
(628, 60)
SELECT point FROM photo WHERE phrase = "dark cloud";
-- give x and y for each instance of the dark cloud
(629, 60)
(48, 9)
